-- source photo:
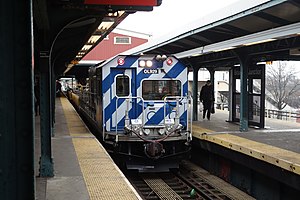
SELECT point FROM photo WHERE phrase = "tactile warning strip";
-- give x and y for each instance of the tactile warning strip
(279, 157)
(160, 188)
(103, 178)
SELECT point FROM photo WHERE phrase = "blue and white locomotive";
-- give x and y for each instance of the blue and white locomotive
(140, 104)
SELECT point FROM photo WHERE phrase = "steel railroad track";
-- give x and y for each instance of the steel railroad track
(187, 182)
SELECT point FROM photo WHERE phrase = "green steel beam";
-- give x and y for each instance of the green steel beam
(195, 93)
(46, 163)
(212, 79)
(244, 62)
(53, 96)
(16, 101)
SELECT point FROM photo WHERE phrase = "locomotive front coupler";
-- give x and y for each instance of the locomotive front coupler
(154, 150)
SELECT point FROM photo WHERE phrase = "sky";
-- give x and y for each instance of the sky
(171, 15)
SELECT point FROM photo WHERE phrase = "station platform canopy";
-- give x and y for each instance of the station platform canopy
(269, 30)
(65, 31)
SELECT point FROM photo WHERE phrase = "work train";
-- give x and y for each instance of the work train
(140, 107)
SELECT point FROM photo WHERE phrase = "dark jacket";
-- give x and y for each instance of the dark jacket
(207, 93)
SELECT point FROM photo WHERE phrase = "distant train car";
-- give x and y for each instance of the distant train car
(140, 105)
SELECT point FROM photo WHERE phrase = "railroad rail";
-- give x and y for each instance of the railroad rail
(187, 182)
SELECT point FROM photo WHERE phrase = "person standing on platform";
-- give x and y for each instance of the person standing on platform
(207, 98)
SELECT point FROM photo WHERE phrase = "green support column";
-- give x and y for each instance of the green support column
(16, 101)
(230, 95)
(46, 163)
(212, 75)
(195, 93)
(243, 58)
(212, 78)
(53, 96)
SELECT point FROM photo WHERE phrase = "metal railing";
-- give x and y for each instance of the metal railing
(179, 99)
(282, 115)
(128, 101)
(276, 114)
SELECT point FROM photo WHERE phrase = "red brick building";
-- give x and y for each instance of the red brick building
(118, 41)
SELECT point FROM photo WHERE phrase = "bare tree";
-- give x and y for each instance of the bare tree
(282, 83)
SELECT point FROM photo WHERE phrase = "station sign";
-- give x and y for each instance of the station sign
(254, 71)
(124, 2)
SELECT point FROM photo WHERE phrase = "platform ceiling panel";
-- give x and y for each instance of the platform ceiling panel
(288, 11)
(252, 23)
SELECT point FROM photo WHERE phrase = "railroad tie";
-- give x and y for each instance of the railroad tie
(162, 190)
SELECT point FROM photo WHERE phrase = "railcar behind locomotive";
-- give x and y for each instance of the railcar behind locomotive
(140, 105)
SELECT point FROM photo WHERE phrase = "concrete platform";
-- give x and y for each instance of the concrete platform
(83, 169)
(264, 163)
(277, 144)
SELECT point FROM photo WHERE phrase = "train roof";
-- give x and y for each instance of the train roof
(101, 64)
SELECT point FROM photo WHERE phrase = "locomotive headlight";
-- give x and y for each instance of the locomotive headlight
(149, 63)
(161, 57)
(147, 131)
(142, 63)
(161, 131)
(169, 128)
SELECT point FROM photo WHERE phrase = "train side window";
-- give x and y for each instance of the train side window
(122, 86)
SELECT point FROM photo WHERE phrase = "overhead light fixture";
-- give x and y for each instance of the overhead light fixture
(262, 63)
(108, 22)
(105, 25)
(258, 42)
(295, 52)
(269, 62)
(93, 39)
(115, 14)
(70, 65)
(224, 49)
(86, 47)
(101, 32)
(197, 54)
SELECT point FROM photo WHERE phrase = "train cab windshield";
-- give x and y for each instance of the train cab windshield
(159, 89)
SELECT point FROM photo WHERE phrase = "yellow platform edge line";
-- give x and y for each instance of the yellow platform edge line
(89, 151)
(199, 129)
(231, 142)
